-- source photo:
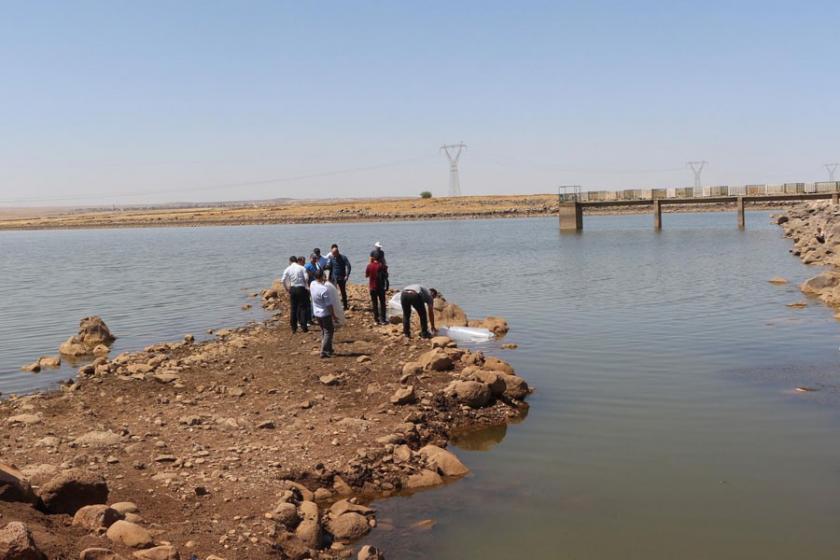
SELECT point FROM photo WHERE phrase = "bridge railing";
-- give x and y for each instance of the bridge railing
(692, 192)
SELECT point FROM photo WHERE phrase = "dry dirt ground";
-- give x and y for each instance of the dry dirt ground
(298, 212)
(223, 446)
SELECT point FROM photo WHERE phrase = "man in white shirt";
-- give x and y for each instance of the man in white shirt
(295, 282)
(324, 304)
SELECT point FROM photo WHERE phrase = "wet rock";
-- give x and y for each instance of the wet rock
(96, 518)
(14, 487)
(424, 479)
(16, 543)
(92, 332)
(515, 386)
(404, 395)
(49, 361)
(34, 367)
(73, 489)
(778, 280)
(444, 461)
(471, 393)
(129, 534)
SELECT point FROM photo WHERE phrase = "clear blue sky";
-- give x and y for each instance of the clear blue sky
(126, 102)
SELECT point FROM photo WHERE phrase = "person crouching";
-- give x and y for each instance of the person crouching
(420, 298)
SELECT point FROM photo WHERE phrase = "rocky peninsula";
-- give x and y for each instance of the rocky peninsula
(814, 228)
(246, 445)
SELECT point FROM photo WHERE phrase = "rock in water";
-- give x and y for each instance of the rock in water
(445, 461)
(369, 552)
(348, 526)
(93, 332)
(16, 543)
(73, 489)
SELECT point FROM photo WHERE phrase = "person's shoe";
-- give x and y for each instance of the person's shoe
(426, 334)
(305, 330)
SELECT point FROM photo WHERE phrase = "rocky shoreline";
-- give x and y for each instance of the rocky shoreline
(814, 228)
(247, 445)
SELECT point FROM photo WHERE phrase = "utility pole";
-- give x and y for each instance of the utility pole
(832, 169)
(697, 169)
(453, 152)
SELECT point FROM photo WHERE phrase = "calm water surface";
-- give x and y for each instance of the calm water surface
(664, 423)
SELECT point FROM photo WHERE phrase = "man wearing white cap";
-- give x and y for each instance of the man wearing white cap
(379, 255)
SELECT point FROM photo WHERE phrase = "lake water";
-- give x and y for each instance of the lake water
(664, 425)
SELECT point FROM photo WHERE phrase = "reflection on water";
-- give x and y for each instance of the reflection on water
(665, 422)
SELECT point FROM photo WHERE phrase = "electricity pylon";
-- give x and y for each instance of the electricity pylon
(453, 152)
(697, 169)
(832, 169)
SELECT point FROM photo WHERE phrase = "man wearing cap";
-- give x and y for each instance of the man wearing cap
(379, 255)
(295, 282)
(419, 298)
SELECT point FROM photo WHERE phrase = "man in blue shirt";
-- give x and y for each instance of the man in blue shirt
(322, 261)
(339, 267)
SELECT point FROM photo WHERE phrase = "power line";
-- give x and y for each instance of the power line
(221, 186)
(454, 155)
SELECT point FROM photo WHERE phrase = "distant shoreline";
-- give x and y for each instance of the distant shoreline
(369, 211)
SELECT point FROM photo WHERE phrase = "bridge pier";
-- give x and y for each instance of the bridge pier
(740, 208)
(571, 216)
(657, 215)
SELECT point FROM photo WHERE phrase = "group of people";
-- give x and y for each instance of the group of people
(314, 288)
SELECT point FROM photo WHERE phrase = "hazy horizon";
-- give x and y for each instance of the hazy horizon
(156, 102)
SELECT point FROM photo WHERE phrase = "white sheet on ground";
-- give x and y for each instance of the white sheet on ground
(466, 333)
(394, 304)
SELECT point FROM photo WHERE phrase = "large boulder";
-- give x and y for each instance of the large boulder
(16, 543)
(493, 379)
(515, 387)
(14, 487)
(471, 393)
(72, 490)
(444, 461)
(451, 315)
(348, 526)
(96, 518)
(820, 283)
(424, 479)
(436, 360)
(93, 332)
(495, 364)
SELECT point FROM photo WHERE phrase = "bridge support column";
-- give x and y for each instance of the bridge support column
(741, 219)
(571, 216)
(657, 215)
(835, 199)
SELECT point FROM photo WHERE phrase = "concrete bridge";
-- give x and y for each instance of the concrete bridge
(571, 212)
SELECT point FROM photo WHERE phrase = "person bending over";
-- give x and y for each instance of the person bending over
(420, 299)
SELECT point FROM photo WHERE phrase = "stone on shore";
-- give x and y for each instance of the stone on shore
(369, 552)
(436, 360)
(129, 534)
(471, 393)
(515, 386)
(98, 553)
(163, 552)
(96, 518)
(348, 526)
(34, 367)
(72, 490)
(424, 479)
(443, 460)
(16, 543)
(404, 395)
(14, 487)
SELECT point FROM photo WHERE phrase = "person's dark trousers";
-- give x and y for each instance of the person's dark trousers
(327, 331)
(410, 299)
(377, 300)
(298, 296)
(342, 285)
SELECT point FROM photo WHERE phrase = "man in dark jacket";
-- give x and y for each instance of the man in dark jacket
(339, 267)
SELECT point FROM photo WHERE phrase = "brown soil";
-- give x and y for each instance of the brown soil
(209, 436)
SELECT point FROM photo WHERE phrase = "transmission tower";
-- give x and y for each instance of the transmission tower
(832, 169)
(453, 152)
(697, 169)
